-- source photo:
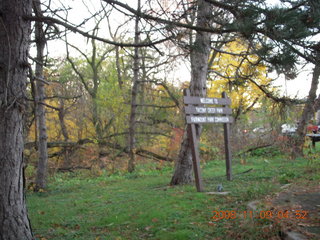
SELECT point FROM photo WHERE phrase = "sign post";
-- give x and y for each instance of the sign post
(226, 129)
(197, 113)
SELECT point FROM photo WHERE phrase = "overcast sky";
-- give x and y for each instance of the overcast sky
(298, 87)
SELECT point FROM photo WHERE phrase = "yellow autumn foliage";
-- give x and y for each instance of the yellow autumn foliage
(235, 74)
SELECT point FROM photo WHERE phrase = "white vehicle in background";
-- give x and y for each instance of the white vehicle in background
(261, 130)
(288, 129)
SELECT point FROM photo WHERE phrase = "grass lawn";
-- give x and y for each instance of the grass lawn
(143, 206)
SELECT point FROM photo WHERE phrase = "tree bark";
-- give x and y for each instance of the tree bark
(39, 98)
(14, 43)
(120, 81)
(134, 92)
(199, 67)
(61, 115)
(65, 134)
(308, 111)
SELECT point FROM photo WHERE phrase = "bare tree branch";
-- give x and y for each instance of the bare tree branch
(169, 22)
(50, 20)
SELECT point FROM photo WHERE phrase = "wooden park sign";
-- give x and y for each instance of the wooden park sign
(198, 112)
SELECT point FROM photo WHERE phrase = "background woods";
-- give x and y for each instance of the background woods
(97, 85)
(111, 101)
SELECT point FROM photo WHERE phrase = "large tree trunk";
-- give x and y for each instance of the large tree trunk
(199, 67)
(39, 98)
(308, 112)
(134, 92)
(14, 42)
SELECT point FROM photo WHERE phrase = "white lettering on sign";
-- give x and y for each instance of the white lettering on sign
(210, 119)
(215, 110)
(201, 110)
(211, 110)
(221, 119)
(198, 119)
(209, 100)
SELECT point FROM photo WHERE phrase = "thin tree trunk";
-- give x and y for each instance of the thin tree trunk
(308, 112)
(64, 131)
(199, 67)
(61, 114)
(95, 105)
(134, 92)
(14, 43)
(98, 129)
(40, 96)
(120, 81)
(95, 63)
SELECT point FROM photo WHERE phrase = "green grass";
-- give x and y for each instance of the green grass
(143, 206)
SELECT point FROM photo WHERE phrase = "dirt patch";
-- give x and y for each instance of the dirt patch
(297, 210)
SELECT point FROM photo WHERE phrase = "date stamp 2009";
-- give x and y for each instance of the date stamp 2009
(275, 215)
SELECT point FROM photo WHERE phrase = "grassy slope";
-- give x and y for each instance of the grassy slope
(142, 206)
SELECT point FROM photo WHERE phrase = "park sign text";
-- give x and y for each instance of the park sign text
(197, 112)
(200, 114)
(196, 119)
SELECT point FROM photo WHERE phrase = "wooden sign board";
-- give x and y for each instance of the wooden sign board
(200, 100)
(206, 110)
(200, 119)
(197, 114)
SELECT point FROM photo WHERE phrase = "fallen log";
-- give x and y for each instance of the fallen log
(74, 145)
(145, 153)
(253, 149)
(71, 169)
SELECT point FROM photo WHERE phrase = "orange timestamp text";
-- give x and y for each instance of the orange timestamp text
(286, 214)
